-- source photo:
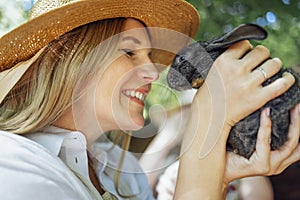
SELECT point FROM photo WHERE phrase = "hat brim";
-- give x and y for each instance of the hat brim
(23, 42)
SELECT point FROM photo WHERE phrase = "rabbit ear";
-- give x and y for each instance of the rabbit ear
(242, 32)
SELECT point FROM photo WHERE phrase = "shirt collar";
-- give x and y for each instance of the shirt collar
(69, 146)
(50, 137)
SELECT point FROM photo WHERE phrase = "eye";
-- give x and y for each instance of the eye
(181, 58)
(128, 52)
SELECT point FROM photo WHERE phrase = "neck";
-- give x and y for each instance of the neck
(89, 128)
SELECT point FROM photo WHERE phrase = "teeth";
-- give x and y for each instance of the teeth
(134, 94)
(139, 95)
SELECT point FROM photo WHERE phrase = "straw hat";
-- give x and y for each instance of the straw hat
(51, 18)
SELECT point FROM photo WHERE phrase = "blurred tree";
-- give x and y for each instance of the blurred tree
(12, 14)
(279, 17)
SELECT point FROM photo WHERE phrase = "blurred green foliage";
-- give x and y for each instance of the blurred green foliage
(279, 17)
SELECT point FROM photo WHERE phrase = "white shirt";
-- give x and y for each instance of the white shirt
(52, 165)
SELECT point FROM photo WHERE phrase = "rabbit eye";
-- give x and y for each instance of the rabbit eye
(181, 58)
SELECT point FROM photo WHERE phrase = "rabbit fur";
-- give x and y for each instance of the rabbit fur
(191, 66)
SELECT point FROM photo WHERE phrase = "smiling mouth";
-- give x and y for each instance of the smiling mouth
(137, 96)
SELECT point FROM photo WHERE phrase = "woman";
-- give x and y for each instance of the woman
(90, 74)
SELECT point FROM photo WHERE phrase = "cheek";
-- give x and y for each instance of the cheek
(109, 83)
(104, 96)
(108, 94)
(109, 100)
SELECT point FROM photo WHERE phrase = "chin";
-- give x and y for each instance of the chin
(136, 124)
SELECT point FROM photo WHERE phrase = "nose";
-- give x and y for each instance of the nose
(148, 72)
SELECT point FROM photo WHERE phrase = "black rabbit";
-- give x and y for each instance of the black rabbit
(190, 68)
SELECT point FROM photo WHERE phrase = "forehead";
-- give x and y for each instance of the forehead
(134, 30)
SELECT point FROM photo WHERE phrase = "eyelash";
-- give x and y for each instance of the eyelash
(128, 52)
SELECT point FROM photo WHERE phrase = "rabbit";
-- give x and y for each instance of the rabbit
(191, 66)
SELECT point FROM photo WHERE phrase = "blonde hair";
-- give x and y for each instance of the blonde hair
(46, 89)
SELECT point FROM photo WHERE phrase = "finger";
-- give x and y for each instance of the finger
(263, 147)
(293, 158)
(294, 128)
(278, 87)
(293, 135)
(255, 57)
(280, 164)
(290, 151)
(239, 49)
(266, 70)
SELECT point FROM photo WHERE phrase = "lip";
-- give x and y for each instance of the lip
(138, 95)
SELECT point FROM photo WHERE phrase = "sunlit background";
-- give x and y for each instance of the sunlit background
(279, 17)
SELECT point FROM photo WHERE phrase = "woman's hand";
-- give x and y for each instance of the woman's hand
(264, 161)
(235, 85)
(232, 90)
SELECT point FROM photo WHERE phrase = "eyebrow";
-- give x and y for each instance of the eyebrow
(133, 39)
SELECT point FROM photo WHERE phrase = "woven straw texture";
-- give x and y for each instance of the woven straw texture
(52, 18)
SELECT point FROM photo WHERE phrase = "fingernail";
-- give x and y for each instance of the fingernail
(278, 60)
(286, 74)
(267, 112)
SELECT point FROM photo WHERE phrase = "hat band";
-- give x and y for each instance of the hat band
(10, 77)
